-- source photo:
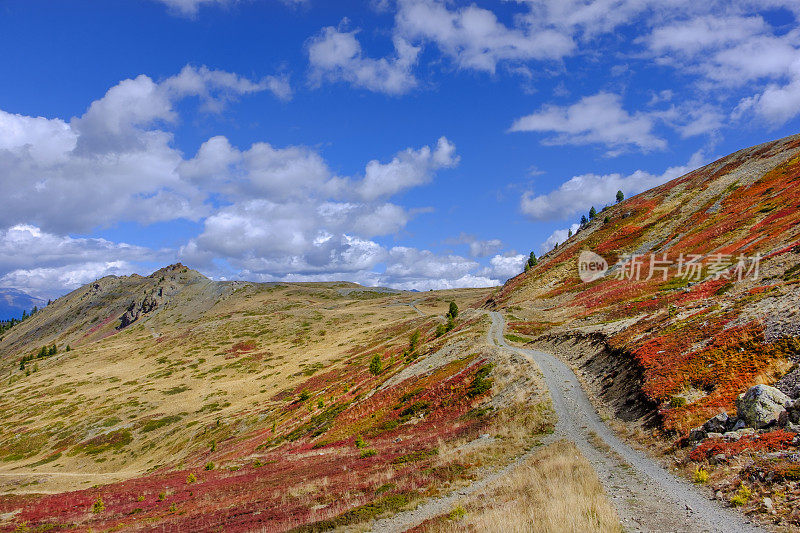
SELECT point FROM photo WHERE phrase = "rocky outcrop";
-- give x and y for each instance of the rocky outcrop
(761, 406)
(136, 309)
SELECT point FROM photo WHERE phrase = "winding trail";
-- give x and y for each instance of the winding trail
(647, 497)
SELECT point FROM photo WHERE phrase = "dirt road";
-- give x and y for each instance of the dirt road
(647, 496)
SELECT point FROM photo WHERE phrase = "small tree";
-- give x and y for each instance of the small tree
(569, 233)
(620, 196)
(592, 213)
(584, 220)
(98, 506)
(413, 342)
(452, 313)
(532, 261)
(376, 365)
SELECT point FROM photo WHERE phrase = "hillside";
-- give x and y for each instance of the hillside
(191, 403)
(668, 348)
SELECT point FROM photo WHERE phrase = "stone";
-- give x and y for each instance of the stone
(713, 435)
(739, 424)
(760, 406)
(718, 495)
(697, 434)
(717, 424)
(768, 506)
(717, 459)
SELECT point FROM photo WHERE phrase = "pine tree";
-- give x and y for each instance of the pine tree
(620, 196)
(452, 313)
(569, 233)
(584, 221)
(532, 261)
(592, 213)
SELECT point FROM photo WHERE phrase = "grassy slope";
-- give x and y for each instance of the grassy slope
(249, 405)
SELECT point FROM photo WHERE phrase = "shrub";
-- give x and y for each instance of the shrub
(376, 365)
(413, 341)
(304, 395)
(98, 506)
(480, 383)
(360, 442)
(368, 453)
(457, 513)
(162, 496)
(742, 496)
(677, 401)
(700, 476)
(191, 479)
(209, 465)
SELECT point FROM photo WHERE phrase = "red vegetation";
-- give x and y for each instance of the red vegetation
(766, 442)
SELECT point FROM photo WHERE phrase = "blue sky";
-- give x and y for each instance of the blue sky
(412, 143)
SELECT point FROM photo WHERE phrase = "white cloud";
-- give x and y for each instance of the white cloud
(409, 168)
(506, 266)
(44, 264)
(579, 193)
(598, 119)
(474, 38)
(113, 163)
(52, 282)
(337, 56)
(290, 215)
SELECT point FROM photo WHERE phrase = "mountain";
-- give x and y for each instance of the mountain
(13, 302)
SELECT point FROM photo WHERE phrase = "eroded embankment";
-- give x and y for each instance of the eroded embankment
(609, 374)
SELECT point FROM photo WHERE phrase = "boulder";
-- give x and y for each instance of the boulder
(718, 424)
(738, 434)
(697, 434)
(761, 406)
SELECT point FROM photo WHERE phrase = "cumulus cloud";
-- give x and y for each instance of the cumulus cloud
(737, 50)
(336, 55)
(113, 163)
(597, 119)
(504, 266)
(579, 193)
(474, 38)
(408, 169)
(477, 247)
(289, 214)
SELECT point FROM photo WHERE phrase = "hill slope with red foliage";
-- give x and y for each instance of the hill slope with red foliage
(702, 289)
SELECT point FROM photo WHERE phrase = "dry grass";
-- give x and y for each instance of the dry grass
(554, 490)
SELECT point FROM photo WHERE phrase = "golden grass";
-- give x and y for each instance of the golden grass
(553, 490)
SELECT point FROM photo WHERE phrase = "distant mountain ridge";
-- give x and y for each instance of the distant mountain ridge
(13, 302)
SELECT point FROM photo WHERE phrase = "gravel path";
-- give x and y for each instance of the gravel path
(647, 497)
